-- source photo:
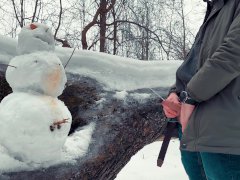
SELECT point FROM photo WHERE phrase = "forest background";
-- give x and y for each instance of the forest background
(139, 29)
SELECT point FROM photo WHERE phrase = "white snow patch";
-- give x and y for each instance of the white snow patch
(121, 95)
(114, 72)
(143, 165)
(100, 102)
(119, 73)
(77, 144)
(140, 96)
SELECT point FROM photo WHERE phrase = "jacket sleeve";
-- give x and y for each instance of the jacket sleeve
(172, 89)
(218, 71)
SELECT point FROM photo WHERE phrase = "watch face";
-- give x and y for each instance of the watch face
(183, 96)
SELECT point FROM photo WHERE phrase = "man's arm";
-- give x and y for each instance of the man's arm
(218, 71)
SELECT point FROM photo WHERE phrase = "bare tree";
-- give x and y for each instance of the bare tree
(19, 15)
(60, 19)
(141, 29)
(64, 42)
(102, 10)
(35, 11)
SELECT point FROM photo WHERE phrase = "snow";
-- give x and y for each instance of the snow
(73, 149)
(35, 37)
(41, 71)
(143, 165)
(119, 73)
(114, 73)
(120, 95)
(140, 97)
(30, 116)
(76, 145)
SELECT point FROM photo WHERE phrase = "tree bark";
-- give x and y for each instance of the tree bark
(59, 19)
(102, 11)
(103, 19)
(114, 32)
(35, 11)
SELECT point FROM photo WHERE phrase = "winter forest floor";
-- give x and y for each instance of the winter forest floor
(142, 166)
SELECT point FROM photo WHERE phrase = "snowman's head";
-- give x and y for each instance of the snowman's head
(35, 37)
(40, 72)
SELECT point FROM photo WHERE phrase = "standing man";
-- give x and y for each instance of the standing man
(208, 88)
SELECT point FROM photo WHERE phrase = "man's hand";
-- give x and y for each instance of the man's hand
(186, 112)
(172, 106)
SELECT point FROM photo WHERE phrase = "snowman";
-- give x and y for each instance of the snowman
(34, 123)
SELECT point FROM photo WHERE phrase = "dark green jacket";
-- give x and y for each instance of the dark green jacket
(215, 123)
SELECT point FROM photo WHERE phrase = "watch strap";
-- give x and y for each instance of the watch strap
(185, 98)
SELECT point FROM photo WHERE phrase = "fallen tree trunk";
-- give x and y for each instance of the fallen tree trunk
(123, 127)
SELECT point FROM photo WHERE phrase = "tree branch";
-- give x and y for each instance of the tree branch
(15, 11)
(22, 12)
(35, 11)
(131, 22)
(110, 6)
(64, 42)
(60, 18)
(92, 23)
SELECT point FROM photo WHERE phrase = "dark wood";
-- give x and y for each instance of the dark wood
(64, 42)
(101, 13)
(122, 129)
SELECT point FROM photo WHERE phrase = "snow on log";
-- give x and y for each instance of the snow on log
(114, 114)
(124, 123)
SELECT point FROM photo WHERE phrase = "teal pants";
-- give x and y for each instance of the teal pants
(211, 166)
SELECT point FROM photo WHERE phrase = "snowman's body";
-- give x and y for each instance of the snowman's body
(25, 126)
(34, 124)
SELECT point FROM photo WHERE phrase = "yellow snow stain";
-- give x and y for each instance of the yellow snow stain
(52, 104)
(50, 101)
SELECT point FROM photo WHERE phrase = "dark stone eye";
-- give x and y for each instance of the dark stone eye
(59, 64)
(36, 61)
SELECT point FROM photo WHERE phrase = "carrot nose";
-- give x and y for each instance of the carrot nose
(33, 26)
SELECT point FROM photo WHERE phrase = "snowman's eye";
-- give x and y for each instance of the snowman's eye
(36, 61)
(59, 64)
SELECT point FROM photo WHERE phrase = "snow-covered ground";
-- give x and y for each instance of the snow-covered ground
(143, 165)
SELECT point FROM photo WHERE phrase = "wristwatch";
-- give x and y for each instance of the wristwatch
(185, 98)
